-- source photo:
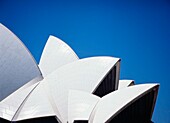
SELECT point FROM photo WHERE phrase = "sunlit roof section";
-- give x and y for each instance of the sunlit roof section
(56, 53)
(35, 107)
(10, 105)
(80, 105)
(85, 75)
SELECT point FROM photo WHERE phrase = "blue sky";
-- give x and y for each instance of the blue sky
(137, 31)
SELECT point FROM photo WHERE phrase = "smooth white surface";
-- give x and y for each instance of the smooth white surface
(37, 104)
(116, 101)
(55, 54)
(10, 105)
(125, 83)
(85, 75)
(17, 66)
(80, 105)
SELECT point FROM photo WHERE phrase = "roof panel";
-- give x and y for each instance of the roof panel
(113, 103)
(17, 64)
(55, 54)
(38, 104)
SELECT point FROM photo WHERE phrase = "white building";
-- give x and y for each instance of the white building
(66, 89)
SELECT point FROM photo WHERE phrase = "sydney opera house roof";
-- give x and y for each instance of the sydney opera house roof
(65, 89)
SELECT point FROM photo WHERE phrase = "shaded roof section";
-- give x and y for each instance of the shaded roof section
(114, 103)
(17, 64)
(85, 75)
(56, 53)
(80, 105)
(125, 83)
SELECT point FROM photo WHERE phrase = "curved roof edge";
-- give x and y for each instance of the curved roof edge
(103, 113)
(19, 41)
(56, 53)
(52, 36)
(111, 78)
(116, 62)
(18, 66)
(35, 107)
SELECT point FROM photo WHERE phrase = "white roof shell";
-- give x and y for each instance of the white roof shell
(85, 75)
(113, 103)
(56, 53)
(17, 64)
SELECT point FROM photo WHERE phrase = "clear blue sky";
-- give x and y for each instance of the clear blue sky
(136, 31)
